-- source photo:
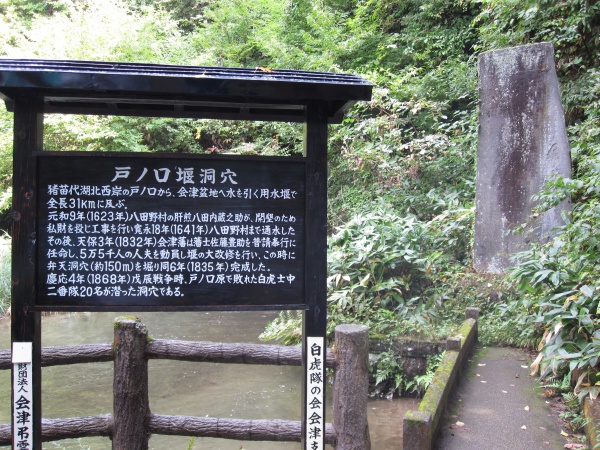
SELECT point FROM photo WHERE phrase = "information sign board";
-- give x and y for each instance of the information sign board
(127, 231)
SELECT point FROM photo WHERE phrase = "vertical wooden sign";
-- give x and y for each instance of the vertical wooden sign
(315, 390)
(22, 358)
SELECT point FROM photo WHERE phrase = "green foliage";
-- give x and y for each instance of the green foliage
(90, 133)
(187, 13)
(390, 379)
(100, 30)
(257, 138)
(388, 373)
(384, 271)
(6, 143)
(283, 34)
(375, 264)
(191, 442)
(389, 271)
(28, 9)
(411, 34)
(406, 152)
(560, 287)
(573, 412)
(285, 328)
(502, 326)
(120, 134)
(419, 384)
(233, 30)
(571, 26)
(373, 248)
(5, 271)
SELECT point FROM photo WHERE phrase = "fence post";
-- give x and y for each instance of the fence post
(351, 388)
(130, 385)
(473, 313)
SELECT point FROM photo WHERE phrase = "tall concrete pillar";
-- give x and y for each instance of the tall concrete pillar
(522, 142)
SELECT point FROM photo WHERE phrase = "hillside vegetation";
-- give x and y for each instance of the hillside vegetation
(401, 167)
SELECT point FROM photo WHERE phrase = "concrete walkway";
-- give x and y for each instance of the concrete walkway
(496, 408)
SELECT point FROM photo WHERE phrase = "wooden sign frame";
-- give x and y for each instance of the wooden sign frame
(32, 88)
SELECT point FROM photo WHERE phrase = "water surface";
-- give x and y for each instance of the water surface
(184, 388)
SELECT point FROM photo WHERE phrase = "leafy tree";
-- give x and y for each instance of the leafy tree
(187, 13)
(29, 9)
(6, 143)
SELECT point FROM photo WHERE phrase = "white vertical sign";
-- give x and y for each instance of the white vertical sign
(22, 395)
(315, 391)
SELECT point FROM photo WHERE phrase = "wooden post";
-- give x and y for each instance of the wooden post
(315, 261)
(130, 386)
(351, 388)
(26, 323)
(315, 148)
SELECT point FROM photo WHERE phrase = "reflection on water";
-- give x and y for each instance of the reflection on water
(183, 388)
(385, 421)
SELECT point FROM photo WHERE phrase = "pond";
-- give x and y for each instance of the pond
(184, 388)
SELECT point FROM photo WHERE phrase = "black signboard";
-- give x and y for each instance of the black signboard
(148, 232)
(168, 232)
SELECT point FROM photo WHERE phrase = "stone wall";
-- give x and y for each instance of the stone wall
(411, 354)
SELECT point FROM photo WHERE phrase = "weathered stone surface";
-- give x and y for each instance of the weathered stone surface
(421, 427)
(522, 143)
(407, 346)
(350, 388)
(411, 354)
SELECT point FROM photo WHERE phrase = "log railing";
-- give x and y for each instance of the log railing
(131, 423)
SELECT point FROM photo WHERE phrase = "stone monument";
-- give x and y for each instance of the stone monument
(522, 143)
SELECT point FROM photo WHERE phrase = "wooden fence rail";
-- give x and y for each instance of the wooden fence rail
(132, 422)
(246, 430)
(71, 428)
(194, 351)
(229, 353)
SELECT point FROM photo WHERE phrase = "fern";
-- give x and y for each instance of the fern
(285, 328)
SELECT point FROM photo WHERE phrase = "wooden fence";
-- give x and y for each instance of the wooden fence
(132, 423)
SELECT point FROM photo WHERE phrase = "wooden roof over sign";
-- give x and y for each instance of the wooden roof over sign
(154, 90)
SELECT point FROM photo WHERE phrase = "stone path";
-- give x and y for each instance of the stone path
(496, 408)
